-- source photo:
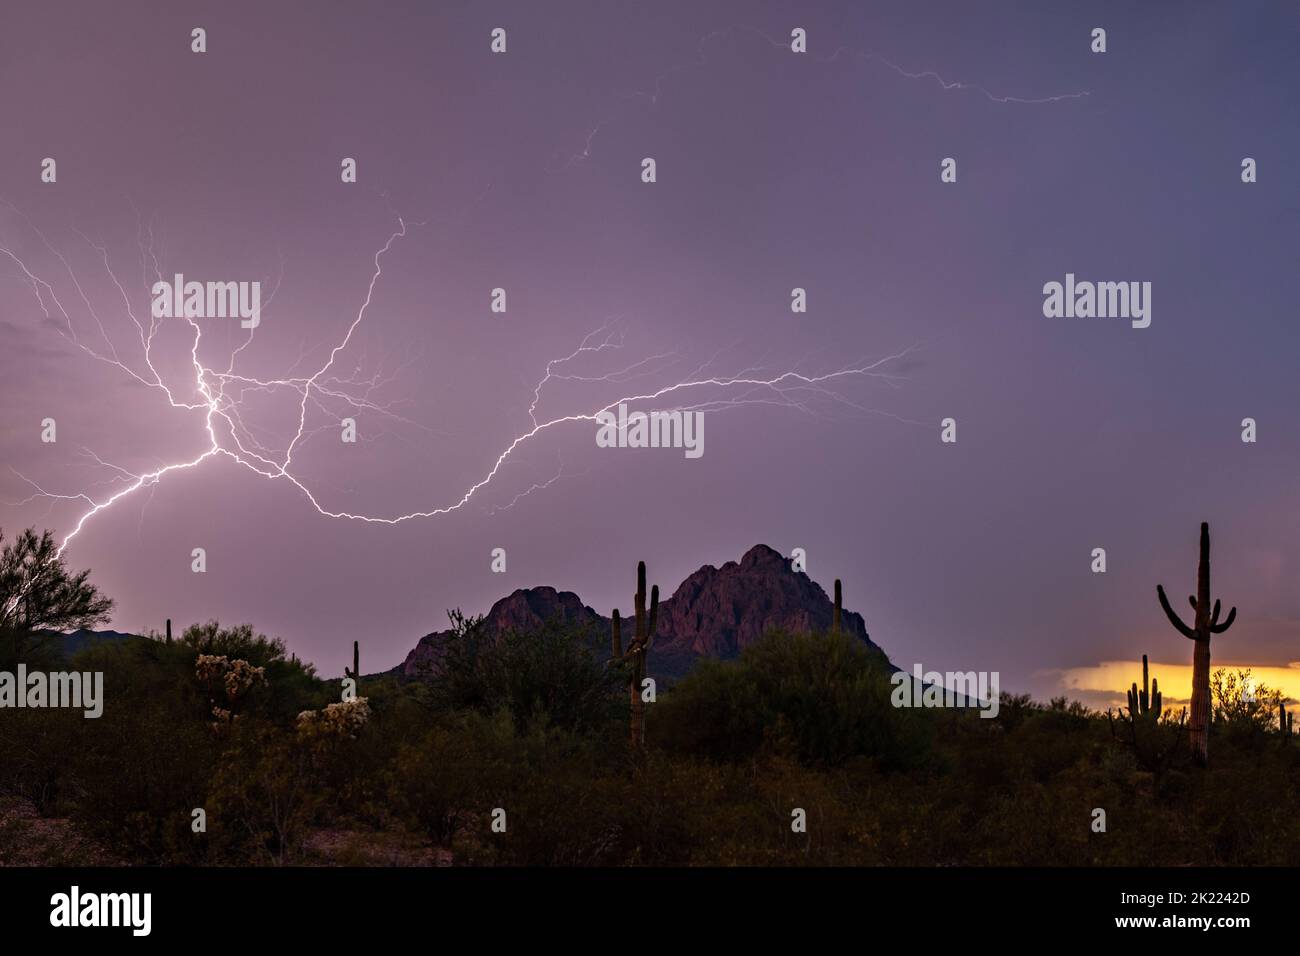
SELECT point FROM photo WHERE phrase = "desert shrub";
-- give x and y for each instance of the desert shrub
(560, 793)
(238, 642)
(132, 777)
(823, 697)
(35, 746)
(557, 672)
(264, 794)
(140, 768)
(1243, 712)
(295, 684)
(1051, 740)
(1015, 709)
(535, 724)
(562, 807)
(437, 783)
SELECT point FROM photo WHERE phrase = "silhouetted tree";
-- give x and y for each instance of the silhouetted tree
(38, 593)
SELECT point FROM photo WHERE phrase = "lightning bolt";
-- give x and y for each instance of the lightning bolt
(656, 90)
(215, 393)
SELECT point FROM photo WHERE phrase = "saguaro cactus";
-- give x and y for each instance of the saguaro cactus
(835, 620)
(1206, 624)
(1284, 720)
(637, 650)
(355, 672)
(1155, 750)
(1147, 702)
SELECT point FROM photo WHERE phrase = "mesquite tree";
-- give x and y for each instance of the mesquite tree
(1205, 625)
(38, 593)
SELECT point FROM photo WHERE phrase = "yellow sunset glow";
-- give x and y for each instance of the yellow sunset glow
(1108, 682)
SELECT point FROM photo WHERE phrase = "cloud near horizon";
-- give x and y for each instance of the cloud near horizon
(1105, 684)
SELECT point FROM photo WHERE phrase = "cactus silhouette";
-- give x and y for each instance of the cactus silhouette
(835, 620)
(355, 672)
(1283, 719)
(1147, 702)
(1206, 624)
(637, 650)
(1155, 749)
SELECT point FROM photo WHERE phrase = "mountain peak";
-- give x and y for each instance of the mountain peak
(762, 555)
(715, 612)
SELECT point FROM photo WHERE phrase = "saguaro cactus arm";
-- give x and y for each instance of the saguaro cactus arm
(1216, 628)
(654, 618)
(835, 617)
(1174, 619)
(638, 600)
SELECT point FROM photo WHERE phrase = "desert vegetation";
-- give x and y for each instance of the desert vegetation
(529, 748)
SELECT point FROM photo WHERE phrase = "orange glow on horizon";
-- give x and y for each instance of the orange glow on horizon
(1112, 679)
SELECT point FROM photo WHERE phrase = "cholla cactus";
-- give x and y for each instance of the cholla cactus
(344, 719)
(234, 678)
(210, 666)
(242, 677)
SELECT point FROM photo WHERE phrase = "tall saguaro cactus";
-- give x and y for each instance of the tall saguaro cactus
(835, 619)
(1206, 625)
(635, 655)
(355, 672)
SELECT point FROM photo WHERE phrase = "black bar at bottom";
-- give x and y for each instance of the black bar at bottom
(334, 904)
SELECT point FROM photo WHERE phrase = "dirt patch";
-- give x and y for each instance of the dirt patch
(28, 839)
(370, 848)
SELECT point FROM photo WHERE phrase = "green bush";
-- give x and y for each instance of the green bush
(823, 697)
(558, 672)
(264, 794)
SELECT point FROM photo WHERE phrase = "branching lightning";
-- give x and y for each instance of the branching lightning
(218, 393)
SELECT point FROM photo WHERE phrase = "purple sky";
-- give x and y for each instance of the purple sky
(774, 170)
